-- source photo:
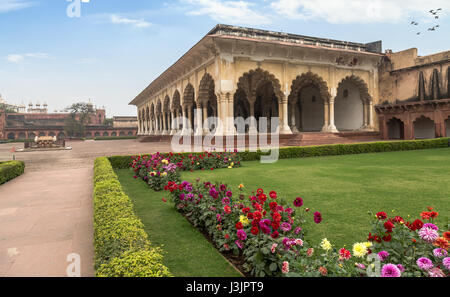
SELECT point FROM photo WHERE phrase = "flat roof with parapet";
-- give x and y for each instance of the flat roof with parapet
(235, 32)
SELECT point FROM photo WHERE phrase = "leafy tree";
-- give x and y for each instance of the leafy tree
(80, 117)
(108, 122)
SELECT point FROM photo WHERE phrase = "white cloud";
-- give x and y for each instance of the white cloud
(87, 60)
(18, 58)
(357, 11)
(230, 12)
(10, 5)
(139, 23)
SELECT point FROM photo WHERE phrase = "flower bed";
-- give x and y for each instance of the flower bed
(159, 169)
(10, 170)
(258, 229)
(121, 245)
(269, 238)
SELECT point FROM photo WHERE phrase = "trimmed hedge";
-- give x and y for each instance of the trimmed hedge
(115, 138)
(10, 170)
(122, 162)
(121, 245)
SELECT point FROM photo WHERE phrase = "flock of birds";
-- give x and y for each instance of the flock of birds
(435, 14)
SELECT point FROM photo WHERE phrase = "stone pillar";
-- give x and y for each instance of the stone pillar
(220, 123)
(157, 131)
(205, 119)
(332, 128)
(198, 118)
(184, 120)
(230, 128)
(253, 129)
(294, 128)
(173, 122)
(284, 124)
(326, 108)
(371, 122)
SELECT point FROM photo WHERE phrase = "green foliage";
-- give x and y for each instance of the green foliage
(123, 162)
(143, 263)
(350, 149)
(121, 245)
(115, 138)
(80, 113)
(11, 170)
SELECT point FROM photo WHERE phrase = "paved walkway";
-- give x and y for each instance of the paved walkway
(46, 214)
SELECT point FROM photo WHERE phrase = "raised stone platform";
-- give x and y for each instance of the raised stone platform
(300, 139)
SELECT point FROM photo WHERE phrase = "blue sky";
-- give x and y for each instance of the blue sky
(116, 47)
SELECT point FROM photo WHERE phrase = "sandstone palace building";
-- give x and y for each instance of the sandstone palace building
(19, 123)
(313, 85)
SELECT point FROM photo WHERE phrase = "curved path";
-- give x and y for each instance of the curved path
(46, 214)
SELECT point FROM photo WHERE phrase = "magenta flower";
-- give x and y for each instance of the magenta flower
(440, 253)
(265, 226)
(286, 227)
(429, 235)
(446, 263)
(317, 217)
(436, 272)
(390, 270)
(226, 200)
(298, 230)
(401, 268)
(425, 263)
(242, 235)
(298, 202)
(383, 255)
(239, 244)
(431, 226)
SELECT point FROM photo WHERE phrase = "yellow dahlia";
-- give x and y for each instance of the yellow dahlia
(326, 245)
(359, 250)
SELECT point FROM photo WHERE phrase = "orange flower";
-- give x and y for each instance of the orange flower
(442, 243)
(323, 271)
(447, 235)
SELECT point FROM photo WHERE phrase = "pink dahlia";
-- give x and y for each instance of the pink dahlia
(425, 263)
(436, 272)
(428, 234)
(285, 268)
(390, 270)
(440, 253)
(446, 263)
(383, 255)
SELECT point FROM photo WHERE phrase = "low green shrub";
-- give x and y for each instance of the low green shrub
(123, 162)
(115, 138)
(10, 170)
(144, 263)
(121, 245)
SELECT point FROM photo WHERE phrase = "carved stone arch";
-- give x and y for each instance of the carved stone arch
(189, 95)
(424, 126)
(166, 104)
(395, 127)
(250, 81)
(308, 79)
(152, 111)
(147, 114)
(360, 84)
(176, 100)
(158, 107)
(206, 88)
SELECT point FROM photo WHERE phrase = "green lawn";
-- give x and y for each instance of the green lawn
(345, 188)
(188, 253)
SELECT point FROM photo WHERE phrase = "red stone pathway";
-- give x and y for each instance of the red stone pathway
(46, 214)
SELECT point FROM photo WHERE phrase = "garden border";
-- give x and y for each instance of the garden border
(123, 162)
(121, 245)
(9, 170)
